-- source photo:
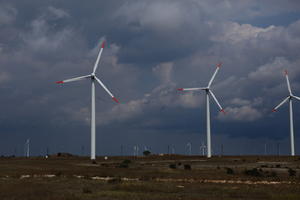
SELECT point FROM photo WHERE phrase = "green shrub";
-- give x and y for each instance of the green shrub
(126, 161)
(292, 172)
(273, 174)
(187, 167)
(229, 170)
(123, 165)
(86, 190)
(58, 173)
(253, 172)
(172, 166)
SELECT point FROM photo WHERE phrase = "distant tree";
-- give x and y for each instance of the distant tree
(146, 153)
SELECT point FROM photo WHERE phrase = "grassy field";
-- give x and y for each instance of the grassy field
(151, 177)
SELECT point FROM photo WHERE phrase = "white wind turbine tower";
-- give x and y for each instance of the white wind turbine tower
(209, 93)
(93, 79)
(290, 99)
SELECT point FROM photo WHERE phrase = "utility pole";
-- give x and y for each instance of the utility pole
(265, 149)
(222, 150)
(82, 150)
(15, 152)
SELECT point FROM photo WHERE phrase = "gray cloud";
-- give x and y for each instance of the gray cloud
(153, 47)
(8, 14)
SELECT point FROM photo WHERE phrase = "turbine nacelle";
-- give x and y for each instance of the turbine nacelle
(207, 89)
(92, 76)
(290, 97)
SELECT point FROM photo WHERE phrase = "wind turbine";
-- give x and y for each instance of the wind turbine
(93, 79)
(290, 100)
(209, 93)
(189, 146)
(27, 148)
(202, 148)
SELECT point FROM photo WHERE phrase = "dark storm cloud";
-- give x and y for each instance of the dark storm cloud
(153, 48)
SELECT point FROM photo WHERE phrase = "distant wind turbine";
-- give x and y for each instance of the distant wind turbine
(202, 148)
(208, 94)
(290, 100)
(27, 148)
(189, 146)
(93, 79)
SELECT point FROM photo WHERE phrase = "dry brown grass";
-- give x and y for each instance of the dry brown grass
(178, 183)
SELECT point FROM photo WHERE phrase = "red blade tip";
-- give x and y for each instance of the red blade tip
(223, 111)
(103, 44)
(219, 64)
(115, 99)
(58, 82)
(285, 72)
(274, 110)
(180, 89)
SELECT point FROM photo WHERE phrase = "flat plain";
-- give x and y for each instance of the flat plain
(67, 177)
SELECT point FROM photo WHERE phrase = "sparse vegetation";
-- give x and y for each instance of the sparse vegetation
(229, 170)
(125, 163)
(187, 167)
(292, 172)
(146, 153)
(172, 166)
(253, 172)
(86, 190)
(148, 177)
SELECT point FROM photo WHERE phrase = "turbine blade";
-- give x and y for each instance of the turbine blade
(288, 81)
(216, 100)
(190, 89)
(98, 57)
(298, 98)
(74, 79)
(214, 75)
(105, 88)
(280, 104)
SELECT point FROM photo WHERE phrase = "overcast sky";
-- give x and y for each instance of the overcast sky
(153, 47)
